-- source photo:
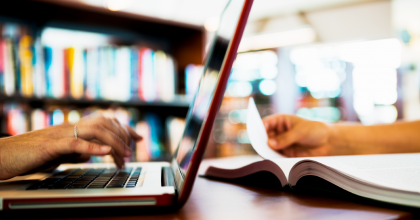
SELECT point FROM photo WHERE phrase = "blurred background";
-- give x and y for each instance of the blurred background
(140, 61)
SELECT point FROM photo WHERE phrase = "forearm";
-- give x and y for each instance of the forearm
(402, 137)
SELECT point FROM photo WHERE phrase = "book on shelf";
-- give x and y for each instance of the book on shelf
(175, 129)
(193, 75)
(391, 178)
(76, 68)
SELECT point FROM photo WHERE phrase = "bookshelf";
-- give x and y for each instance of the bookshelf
(182, 44)
(178, 107)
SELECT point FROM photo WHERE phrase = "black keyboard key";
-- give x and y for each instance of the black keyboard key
(118, 180)
(100, 181)
(95, 187)
(76, 187)
(59, 186)
(85, 179)
(64, 182)
(79, 172)
(34, 186)
(116, 183)
(65, 172)
(94, 172)
(52, 179)
(79, 184)
(103, 177)
(71, 178)
(117, 186)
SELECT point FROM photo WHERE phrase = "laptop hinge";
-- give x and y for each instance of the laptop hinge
(168, 177)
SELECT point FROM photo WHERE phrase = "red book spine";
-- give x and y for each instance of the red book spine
(140, 75)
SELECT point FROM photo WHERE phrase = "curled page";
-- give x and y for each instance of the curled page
(257, 134)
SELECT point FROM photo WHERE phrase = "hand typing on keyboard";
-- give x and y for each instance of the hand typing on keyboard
(96, 134)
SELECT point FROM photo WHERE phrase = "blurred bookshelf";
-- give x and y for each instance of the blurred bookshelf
(62, 60)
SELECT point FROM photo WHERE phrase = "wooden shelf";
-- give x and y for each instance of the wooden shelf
(183, 41)
(178, 107)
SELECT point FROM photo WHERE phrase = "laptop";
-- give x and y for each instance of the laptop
(164, 184)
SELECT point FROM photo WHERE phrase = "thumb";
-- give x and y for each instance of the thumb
(282, 140)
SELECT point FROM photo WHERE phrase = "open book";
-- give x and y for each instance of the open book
(393, 178)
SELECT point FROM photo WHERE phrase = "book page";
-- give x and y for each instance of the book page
(287, 164)
(257, 134)
(399, 171)
(241, 166)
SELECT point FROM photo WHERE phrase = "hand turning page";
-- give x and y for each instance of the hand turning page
(257, 134)
(393, 178)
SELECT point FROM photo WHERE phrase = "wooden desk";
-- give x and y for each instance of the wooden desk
(211, 199)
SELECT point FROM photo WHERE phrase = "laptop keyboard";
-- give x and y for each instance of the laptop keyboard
(90, 178)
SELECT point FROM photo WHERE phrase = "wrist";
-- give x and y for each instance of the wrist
(338, 141)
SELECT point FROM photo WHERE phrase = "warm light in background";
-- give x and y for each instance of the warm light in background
(239, 89)
(74, 116)
(326, 114)
(250, 67)
(58, 117)
(212, 24)
(267, 87)
(116, 5)
(67, 38)
(322, 69)
(374, 78)
(319, 70)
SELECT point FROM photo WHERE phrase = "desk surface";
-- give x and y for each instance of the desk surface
(211, 199)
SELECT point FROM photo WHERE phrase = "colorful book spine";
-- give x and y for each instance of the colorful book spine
(135, 66)
(25, 54)
(1, 66)
(121, 78)
(9, 67)
(76, 71)
(156, 146)
(193, 75)
(66, 71)
(48, 70)
(39, 78)
(147, 82)
(163, 67)
(119, 73)
(92, 71)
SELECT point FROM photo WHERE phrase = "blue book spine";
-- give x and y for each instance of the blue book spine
(48, 61)
(155, 135)
(134, 72)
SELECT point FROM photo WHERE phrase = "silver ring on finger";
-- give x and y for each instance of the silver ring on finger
(75, 131)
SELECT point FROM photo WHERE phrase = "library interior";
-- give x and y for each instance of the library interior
(353, 61)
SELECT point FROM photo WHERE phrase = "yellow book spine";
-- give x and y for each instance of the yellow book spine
(25, 56)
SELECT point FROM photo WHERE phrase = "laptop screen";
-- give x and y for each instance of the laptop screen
(198, 111)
